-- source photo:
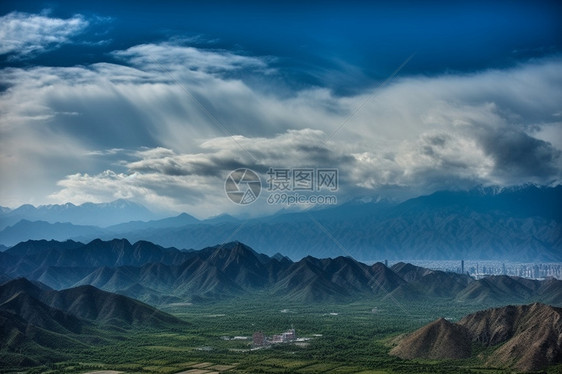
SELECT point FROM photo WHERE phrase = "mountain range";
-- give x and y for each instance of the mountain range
(56, 297)
(101, 214)
(523, 337)
(35, 318)
(518, 224)
(159, 275)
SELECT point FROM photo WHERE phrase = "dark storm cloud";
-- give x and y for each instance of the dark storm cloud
(518, 155)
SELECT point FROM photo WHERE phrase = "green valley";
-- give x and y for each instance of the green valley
(344, 338)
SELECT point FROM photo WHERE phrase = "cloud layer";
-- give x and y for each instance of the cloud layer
(23, 34)
(166, 125)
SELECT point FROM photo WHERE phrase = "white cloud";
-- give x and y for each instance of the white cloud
(160, 177)
(23, 34)
(169, 137)
(109, 185)
(167, 58)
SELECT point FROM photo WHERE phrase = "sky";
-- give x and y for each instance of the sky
(157, 102)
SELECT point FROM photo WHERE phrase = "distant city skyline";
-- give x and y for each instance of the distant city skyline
(482, 268)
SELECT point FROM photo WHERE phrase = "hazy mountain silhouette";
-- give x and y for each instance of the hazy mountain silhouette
(102, 214)
(116, 252)
(165, 223)
(520, 224)
(37, 230)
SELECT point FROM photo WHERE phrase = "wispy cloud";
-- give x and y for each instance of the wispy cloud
(24, 34)
(166, 58)
(416, 135)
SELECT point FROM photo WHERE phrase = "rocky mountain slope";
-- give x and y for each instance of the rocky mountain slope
(523, 337)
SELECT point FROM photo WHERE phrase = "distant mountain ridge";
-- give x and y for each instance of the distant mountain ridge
(517, 224)
(38, 230)
(88, 214)
(527, 337)
(158, 275)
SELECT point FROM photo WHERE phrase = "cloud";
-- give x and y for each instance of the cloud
(156, 191)
(195, 182)
(24, 34)
(169, 57)
(166, 126)
(518, 155)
